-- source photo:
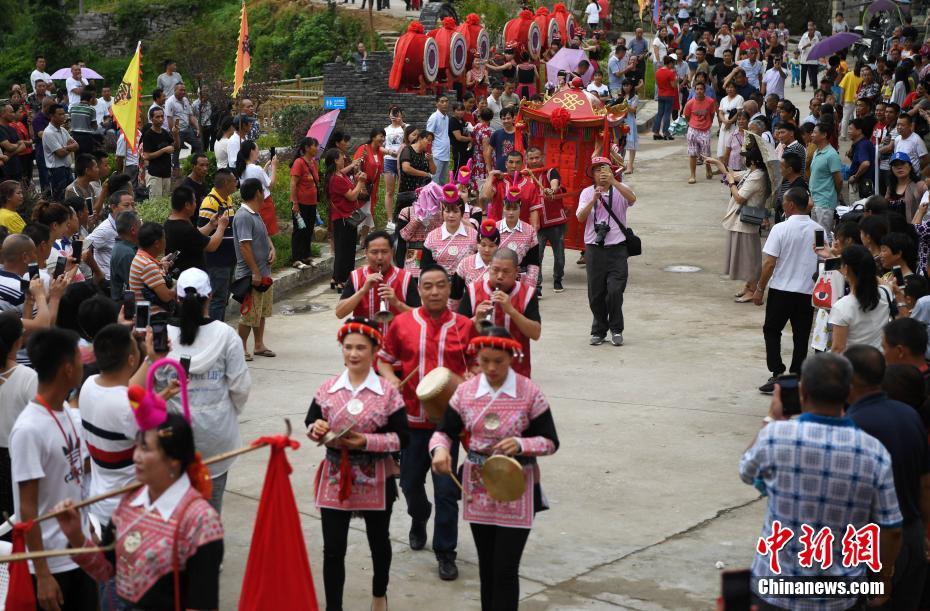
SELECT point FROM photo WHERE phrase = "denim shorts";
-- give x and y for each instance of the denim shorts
(390, 166)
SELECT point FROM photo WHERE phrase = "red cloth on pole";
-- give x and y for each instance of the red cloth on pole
(277, 575)
(20, 595)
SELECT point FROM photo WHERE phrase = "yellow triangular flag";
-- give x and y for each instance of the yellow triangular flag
(243, 53)
(125, 108)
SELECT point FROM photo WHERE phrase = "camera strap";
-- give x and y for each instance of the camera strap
(610, 209)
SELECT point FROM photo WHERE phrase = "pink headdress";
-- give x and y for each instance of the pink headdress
(464, 176)
(450, 192)
(149, 409)
(428, 200)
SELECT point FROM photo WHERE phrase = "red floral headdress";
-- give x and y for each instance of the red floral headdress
(490, 231)
(506, 344)
(356, 326)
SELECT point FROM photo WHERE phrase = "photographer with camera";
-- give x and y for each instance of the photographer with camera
(602, 208)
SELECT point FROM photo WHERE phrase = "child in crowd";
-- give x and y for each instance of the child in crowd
(795, 65)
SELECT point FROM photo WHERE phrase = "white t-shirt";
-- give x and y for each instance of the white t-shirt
(864, 327)
(792, 243)
(393, 140)
(103, 237)
(17, 388)
(123, 150)
(602, 90)
(253, 171)
(593, 13)
(663, 50)
(774, 82)
(39, 76)
(914, 146)
(724, 43)
(232, 149)
(109, 426)
(103, 109)
(70, 84)
(496, 107)
(38, 450)
(221, 150)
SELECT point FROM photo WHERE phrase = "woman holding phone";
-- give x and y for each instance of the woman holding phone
(305, 181)
(246, 168)
(358, 475)
(344, 198)
(371, 165)
(218, 379)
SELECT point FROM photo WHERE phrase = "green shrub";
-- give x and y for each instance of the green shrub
(494, 14)
(294, 120)
(155, 210)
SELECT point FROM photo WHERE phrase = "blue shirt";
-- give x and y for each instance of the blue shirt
(862, 150)
(438, 125)
(753, 71)
(899, 428)
(823, 472)
(823, 190)
(616, 64)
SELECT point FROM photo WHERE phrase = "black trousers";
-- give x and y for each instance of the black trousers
(302, 238)
(809, 72)
(345, 237)
(607, 275)
(335, 536)
(78, 589)
(499, 551)
(782, 307)
(415, 462)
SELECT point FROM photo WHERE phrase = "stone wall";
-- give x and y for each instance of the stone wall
(368, 97)
(100, 32)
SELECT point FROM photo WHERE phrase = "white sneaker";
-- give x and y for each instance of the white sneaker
(389, 227)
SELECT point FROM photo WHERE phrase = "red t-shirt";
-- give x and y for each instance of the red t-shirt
(372, 166)
(339, 206)
(665, 81)
(307, 179)
(529, 199)
(700, 113)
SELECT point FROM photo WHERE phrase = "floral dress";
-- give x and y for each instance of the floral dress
(479, 170)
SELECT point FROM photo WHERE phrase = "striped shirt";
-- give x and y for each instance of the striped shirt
(145, 272)
(11, 293)
(83, 117)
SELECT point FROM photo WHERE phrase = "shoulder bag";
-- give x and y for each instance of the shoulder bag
(634, 245)
(750, 214)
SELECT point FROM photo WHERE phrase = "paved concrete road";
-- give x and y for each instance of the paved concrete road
(644, 489)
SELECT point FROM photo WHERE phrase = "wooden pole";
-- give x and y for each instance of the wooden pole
(53, 553)
(135, 485)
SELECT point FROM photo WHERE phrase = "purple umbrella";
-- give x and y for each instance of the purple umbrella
(322, 128)
(831, 44)
(882, 5)
(86, 72)
(567, 59)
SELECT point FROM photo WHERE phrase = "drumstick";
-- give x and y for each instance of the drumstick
(409, 375)
(457, 482)
(53, 553)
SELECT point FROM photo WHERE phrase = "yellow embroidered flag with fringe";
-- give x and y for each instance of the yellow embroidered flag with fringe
(125, 108)
(243, 53)
(642, 7)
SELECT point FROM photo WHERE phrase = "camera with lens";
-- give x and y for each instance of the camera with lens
(600, 231)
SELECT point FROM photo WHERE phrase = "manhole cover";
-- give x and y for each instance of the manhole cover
(303, 308)
(682, 269)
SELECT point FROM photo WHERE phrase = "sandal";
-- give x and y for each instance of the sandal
(691, 181)
(740, 299)
(248, 357)
(266, 353)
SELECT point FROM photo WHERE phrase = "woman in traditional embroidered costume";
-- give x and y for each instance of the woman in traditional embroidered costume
(504, 413)
(475, 267)
(520, 237)
(169, 540)
(358, 474)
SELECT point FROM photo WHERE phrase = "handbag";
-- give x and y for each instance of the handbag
(752, 216)
(241, 288)
(356, 218)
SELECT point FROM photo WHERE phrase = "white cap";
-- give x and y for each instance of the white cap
(196, 279)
